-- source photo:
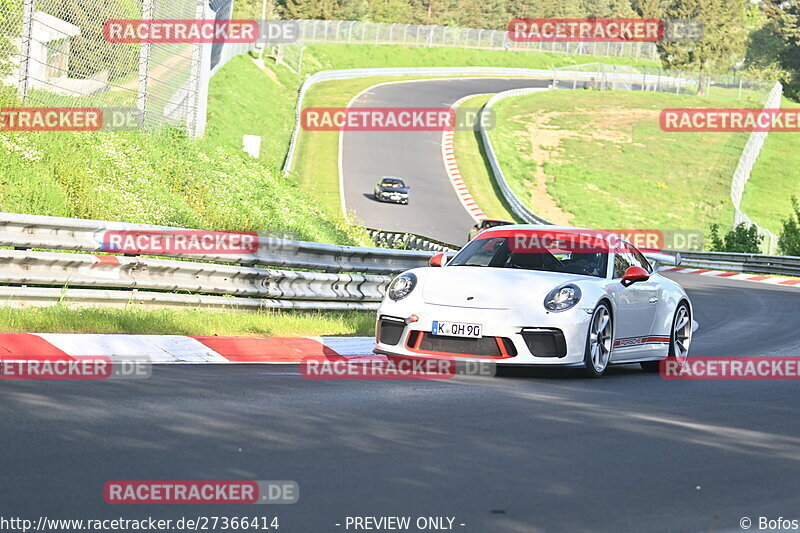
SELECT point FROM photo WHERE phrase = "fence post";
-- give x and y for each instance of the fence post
(25, 49)
(144, 65)
(201, 75)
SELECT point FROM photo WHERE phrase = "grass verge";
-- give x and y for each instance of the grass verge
(474, 167)
(600, 159)
(322, 57)
(157, 177)
(65, 319)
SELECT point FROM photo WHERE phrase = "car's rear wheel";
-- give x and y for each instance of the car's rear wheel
(679, 340)
(599, 342)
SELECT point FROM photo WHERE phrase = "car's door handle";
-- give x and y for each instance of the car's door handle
(653, 300)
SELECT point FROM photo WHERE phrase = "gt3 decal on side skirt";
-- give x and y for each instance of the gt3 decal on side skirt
(638, 341)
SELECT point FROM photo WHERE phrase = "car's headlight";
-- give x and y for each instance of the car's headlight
(562, 298)
(401, 286)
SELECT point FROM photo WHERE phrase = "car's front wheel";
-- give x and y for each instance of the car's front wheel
(679, 340)
(599, 342)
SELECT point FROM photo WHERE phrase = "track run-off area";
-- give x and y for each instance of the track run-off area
(526, 451)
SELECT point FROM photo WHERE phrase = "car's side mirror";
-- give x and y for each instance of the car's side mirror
(437, 260)
(634, 274)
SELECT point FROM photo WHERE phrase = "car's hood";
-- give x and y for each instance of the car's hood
(490, 288)
(391, 189)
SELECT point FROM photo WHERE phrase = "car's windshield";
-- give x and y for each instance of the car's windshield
(393, 184)
(496, 252)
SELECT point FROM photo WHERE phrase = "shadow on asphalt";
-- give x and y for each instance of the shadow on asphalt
(564, 373)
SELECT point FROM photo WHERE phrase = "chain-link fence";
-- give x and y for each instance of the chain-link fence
(353, 32)
(745, 167)
(55, 53)
(626, 77)
(379, 33)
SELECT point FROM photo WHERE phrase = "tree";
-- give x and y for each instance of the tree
(784, 25)
(789, 241)
(295, 9)
(390, 11)
(649, 9)
(468, 14)
(723, 40)
(494, 14)
(741, 239)
(561, 9)
(432, 12)
(356, 10)
(252, 9)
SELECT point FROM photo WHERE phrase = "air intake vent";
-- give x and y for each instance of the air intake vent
(390, 330)
(484, 347)
(545, 342)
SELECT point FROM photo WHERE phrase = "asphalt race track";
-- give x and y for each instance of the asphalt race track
(434, 210)
(527, 452)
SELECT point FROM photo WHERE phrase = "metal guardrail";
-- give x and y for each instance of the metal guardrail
(396, 239)
(81, 270)
(518, 208)
(39, 278)
(755, 263)
(47, 296)
(55, 233)
(184, 280)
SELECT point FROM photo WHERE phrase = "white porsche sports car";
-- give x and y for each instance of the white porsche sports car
(538, 295)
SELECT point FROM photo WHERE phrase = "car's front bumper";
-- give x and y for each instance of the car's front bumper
(397, 199)
(508, 337)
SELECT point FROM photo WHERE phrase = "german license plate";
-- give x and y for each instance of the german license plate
(456, 329)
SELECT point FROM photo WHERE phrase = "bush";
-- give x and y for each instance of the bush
(789, 241)
(741, 239)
